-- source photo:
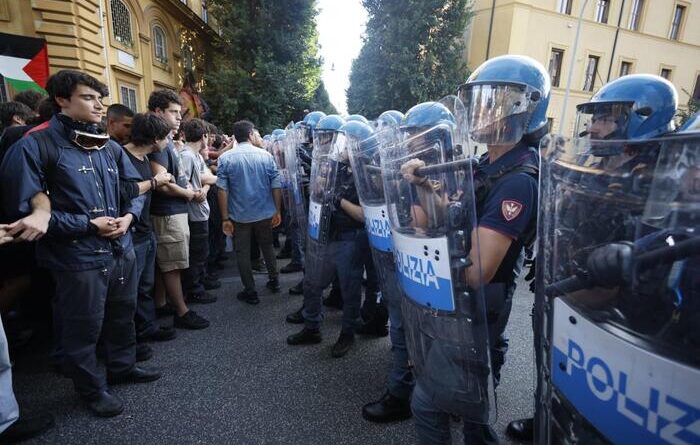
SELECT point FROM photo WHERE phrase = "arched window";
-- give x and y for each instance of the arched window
(121, 22)
(160, 47)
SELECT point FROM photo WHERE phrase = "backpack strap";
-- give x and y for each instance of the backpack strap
(48, 154)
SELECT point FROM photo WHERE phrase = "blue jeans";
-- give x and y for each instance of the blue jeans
(297, 237)
(9, 411)
(401, 381)
(344, 257)
(145, 317)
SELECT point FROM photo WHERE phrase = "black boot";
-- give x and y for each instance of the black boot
(296, 317)
(305, 337)
(387, 409)
(522, 429)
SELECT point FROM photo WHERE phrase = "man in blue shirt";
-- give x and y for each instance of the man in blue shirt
(250, 198)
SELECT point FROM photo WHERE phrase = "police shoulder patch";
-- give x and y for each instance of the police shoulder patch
(511, 209)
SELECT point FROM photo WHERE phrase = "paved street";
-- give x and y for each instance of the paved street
(239, 383)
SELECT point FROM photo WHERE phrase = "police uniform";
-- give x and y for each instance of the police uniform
(506, 192)
(95, 277)
(344, 257)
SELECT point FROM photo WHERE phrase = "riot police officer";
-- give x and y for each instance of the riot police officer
(336, 241)
(88, 247)
(613, 131)
(624, 273)
(505, 101)
(304, 149)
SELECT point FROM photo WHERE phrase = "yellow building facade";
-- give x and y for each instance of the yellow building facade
(133, 46)
(654, 36)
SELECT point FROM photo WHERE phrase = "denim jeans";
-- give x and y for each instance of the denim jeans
(344, 257)
(145, 317)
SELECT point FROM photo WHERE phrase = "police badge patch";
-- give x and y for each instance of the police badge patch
(510, 209)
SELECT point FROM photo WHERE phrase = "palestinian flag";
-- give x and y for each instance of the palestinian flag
(24, 62)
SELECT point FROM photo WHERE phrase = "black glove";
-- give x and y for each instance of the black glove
(611, 265)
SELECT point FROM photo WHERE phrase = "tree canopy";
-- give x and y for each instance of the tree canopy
(413, 52)
(267, 69)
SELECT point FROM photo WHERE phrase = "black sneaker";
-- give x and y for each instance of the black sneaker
(104, 404)
(27, 427)
(211, 284)
(203, 298)
(273, 285)
(305, 337)
(343, 345)
(190, 320)
(387, 409)
(291, 268)
(248, 297)
(164, 333)
(165, 311)
(522, 429)
(296, 317)
(143, 352)
(297, 289)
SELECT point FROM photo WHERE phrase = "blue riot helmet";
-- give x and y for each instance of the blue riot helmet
(277, 133)
(636, 107)
(357, 117)
(389, 118)
(426, 115)
(427, 130)
(326, 128)
(506, 98)
(397, 116)
(359, 132)
(309, 123)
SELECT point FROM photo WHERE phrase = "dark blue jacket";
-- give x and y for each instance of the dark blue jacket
(82, 185)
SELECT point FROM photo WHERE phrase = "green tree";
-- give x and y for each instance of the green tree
(267, 69)
(693, 107)
(412, 52)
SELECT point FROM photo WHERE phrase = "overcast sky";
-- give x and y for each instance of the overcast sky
(341, 24)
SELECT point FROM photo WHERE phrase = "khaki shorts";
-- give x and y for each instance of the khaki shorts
(173, 236)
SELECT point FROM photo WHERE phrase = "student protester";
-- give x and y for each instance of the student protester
(150, 135)
(119, 119)
(88, 247)
(169, 217)
(200, 179)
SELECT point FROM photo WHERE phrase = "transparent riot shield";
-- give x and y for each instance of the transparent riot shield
(296, 201)
(277, 149)
(367, 173)
(321, 191)
(432, 215)
(619, 279)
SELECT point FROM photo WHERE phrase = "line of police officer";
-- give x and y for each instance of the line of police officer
(448, 232)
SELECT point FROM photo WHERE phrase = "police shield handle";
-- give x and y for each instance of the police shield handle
(667, 254)
(461, 164)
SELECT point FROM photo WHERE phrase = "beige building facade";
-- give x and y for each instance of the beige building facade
(654, 36)
(133, 46)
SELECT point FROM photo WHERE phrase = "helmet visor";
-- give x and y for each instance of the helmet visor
(603, 121)
(498, 114)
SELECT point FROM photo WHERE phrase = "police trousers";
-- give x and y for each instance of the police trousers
(90, 302)
(433, 424)
(345, 257)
